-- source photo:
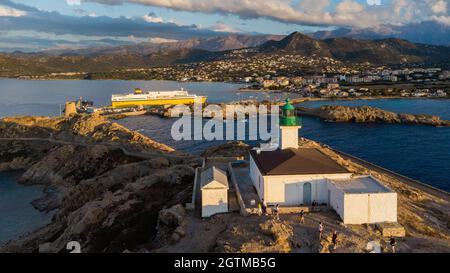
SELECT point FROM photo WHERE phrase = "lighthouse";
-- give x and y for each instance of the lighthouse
(290, 125)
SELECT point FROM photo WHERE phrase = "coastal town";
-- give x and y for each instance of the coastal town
(319, 77)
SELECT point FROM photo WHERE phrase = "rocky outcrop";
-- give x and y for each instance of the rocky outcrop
(270, 236)
(107, 200)
(230, 149)
(78, 128)
(366, 114)
(173, 216)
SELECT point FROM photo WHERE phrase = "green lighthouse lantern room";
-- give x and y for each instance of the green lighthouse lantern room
(288, 116)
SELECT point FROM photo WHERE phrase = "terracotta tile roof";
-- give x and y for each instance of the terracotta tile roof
(295, 162)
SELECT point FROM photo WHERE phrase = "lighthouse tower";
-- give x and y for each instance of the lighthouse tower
(290, 124)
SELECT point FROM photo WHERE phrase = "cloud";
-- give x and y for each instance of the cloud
(11, 12)
(308, 12)
(31, 29)
(439, 7)
(314, 6)
(444, 20)
(73, 2)
(91, 25)
(374, 2)
(152, 18)
(222, 27)
(158, 40)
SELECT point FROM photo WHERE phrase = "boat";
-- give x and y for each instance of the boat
(154, 98)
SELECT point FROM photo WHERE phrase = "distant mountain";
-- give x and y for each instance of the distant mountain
(385, 51)
(299, 43)
(214, 44)
(427, 32)
(390, 51)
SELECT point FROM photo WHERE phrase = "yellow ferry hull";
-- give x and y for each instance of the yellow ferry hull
(155, 102)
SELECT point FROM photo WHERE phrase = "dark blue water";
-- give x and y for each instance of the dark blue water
(17, 215)
(24, 97)
(419, 152)
(440, 107)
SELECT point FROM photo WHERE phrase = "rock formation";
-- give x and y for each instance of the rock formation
(366, 114)
(107, 199)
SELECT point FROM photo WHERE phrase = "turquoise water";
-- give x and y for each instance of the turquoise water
(17, 215)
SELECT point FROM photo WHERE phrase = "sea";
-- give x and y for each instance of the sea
(419, 152)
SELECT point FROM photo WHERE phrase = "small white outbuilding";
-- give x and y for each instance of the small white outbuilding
(214, 187)
(362, 200)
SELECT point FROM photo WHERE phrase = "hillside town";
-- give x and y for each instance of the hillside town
(314, 77)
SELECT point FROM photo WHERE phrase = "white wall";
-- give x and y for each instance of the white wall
(214, 201)
(356, 208)
(383, 207)
(336, 200)
(289, 137)
(370, 208)
(256, 176)
(288, 189)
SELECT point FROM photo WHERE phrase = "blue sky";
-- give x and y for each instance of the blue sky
(31, 25)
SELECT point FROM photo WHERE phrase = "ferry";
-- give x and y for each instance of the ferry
(154, 98)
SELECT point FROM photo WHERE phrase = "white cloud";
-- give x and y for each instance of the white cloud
(445, 20)
(353, 13)
(374, 2)
(304, 12)
(159, 40)
(73, 2)
(439, 7)
(152, 18)
(222, 27)
(11, 12)
(314, 6)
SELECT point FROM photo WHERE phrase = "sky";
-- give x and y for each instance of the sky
(33, 25)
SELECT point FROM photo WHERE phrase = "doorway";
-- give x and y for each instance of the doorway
(307, 193)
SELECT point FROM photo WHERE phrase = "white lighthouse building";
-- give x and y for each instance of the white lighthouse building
(293, 176)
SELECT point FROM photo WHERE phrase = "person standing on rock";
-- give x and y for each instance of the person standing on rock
(334, 239)
(264, 207)
(313, 205)
(276, 211)
(393, 243)
(320, 230)
(260, 208)
(302, 217)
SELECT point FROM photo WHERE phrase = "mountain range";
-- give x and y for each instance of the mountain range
(214, 44)
(383, 51)
(389, 51)
(426, 32)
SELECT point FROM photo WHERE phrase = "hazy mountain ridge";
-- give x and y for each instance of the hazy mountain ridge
(380, 52)
(427, 32)
(215, 44)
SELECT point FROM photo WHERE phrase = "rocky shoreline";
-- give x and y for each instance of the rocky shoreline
(106, 199)
(366, 114)
(112, 201)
